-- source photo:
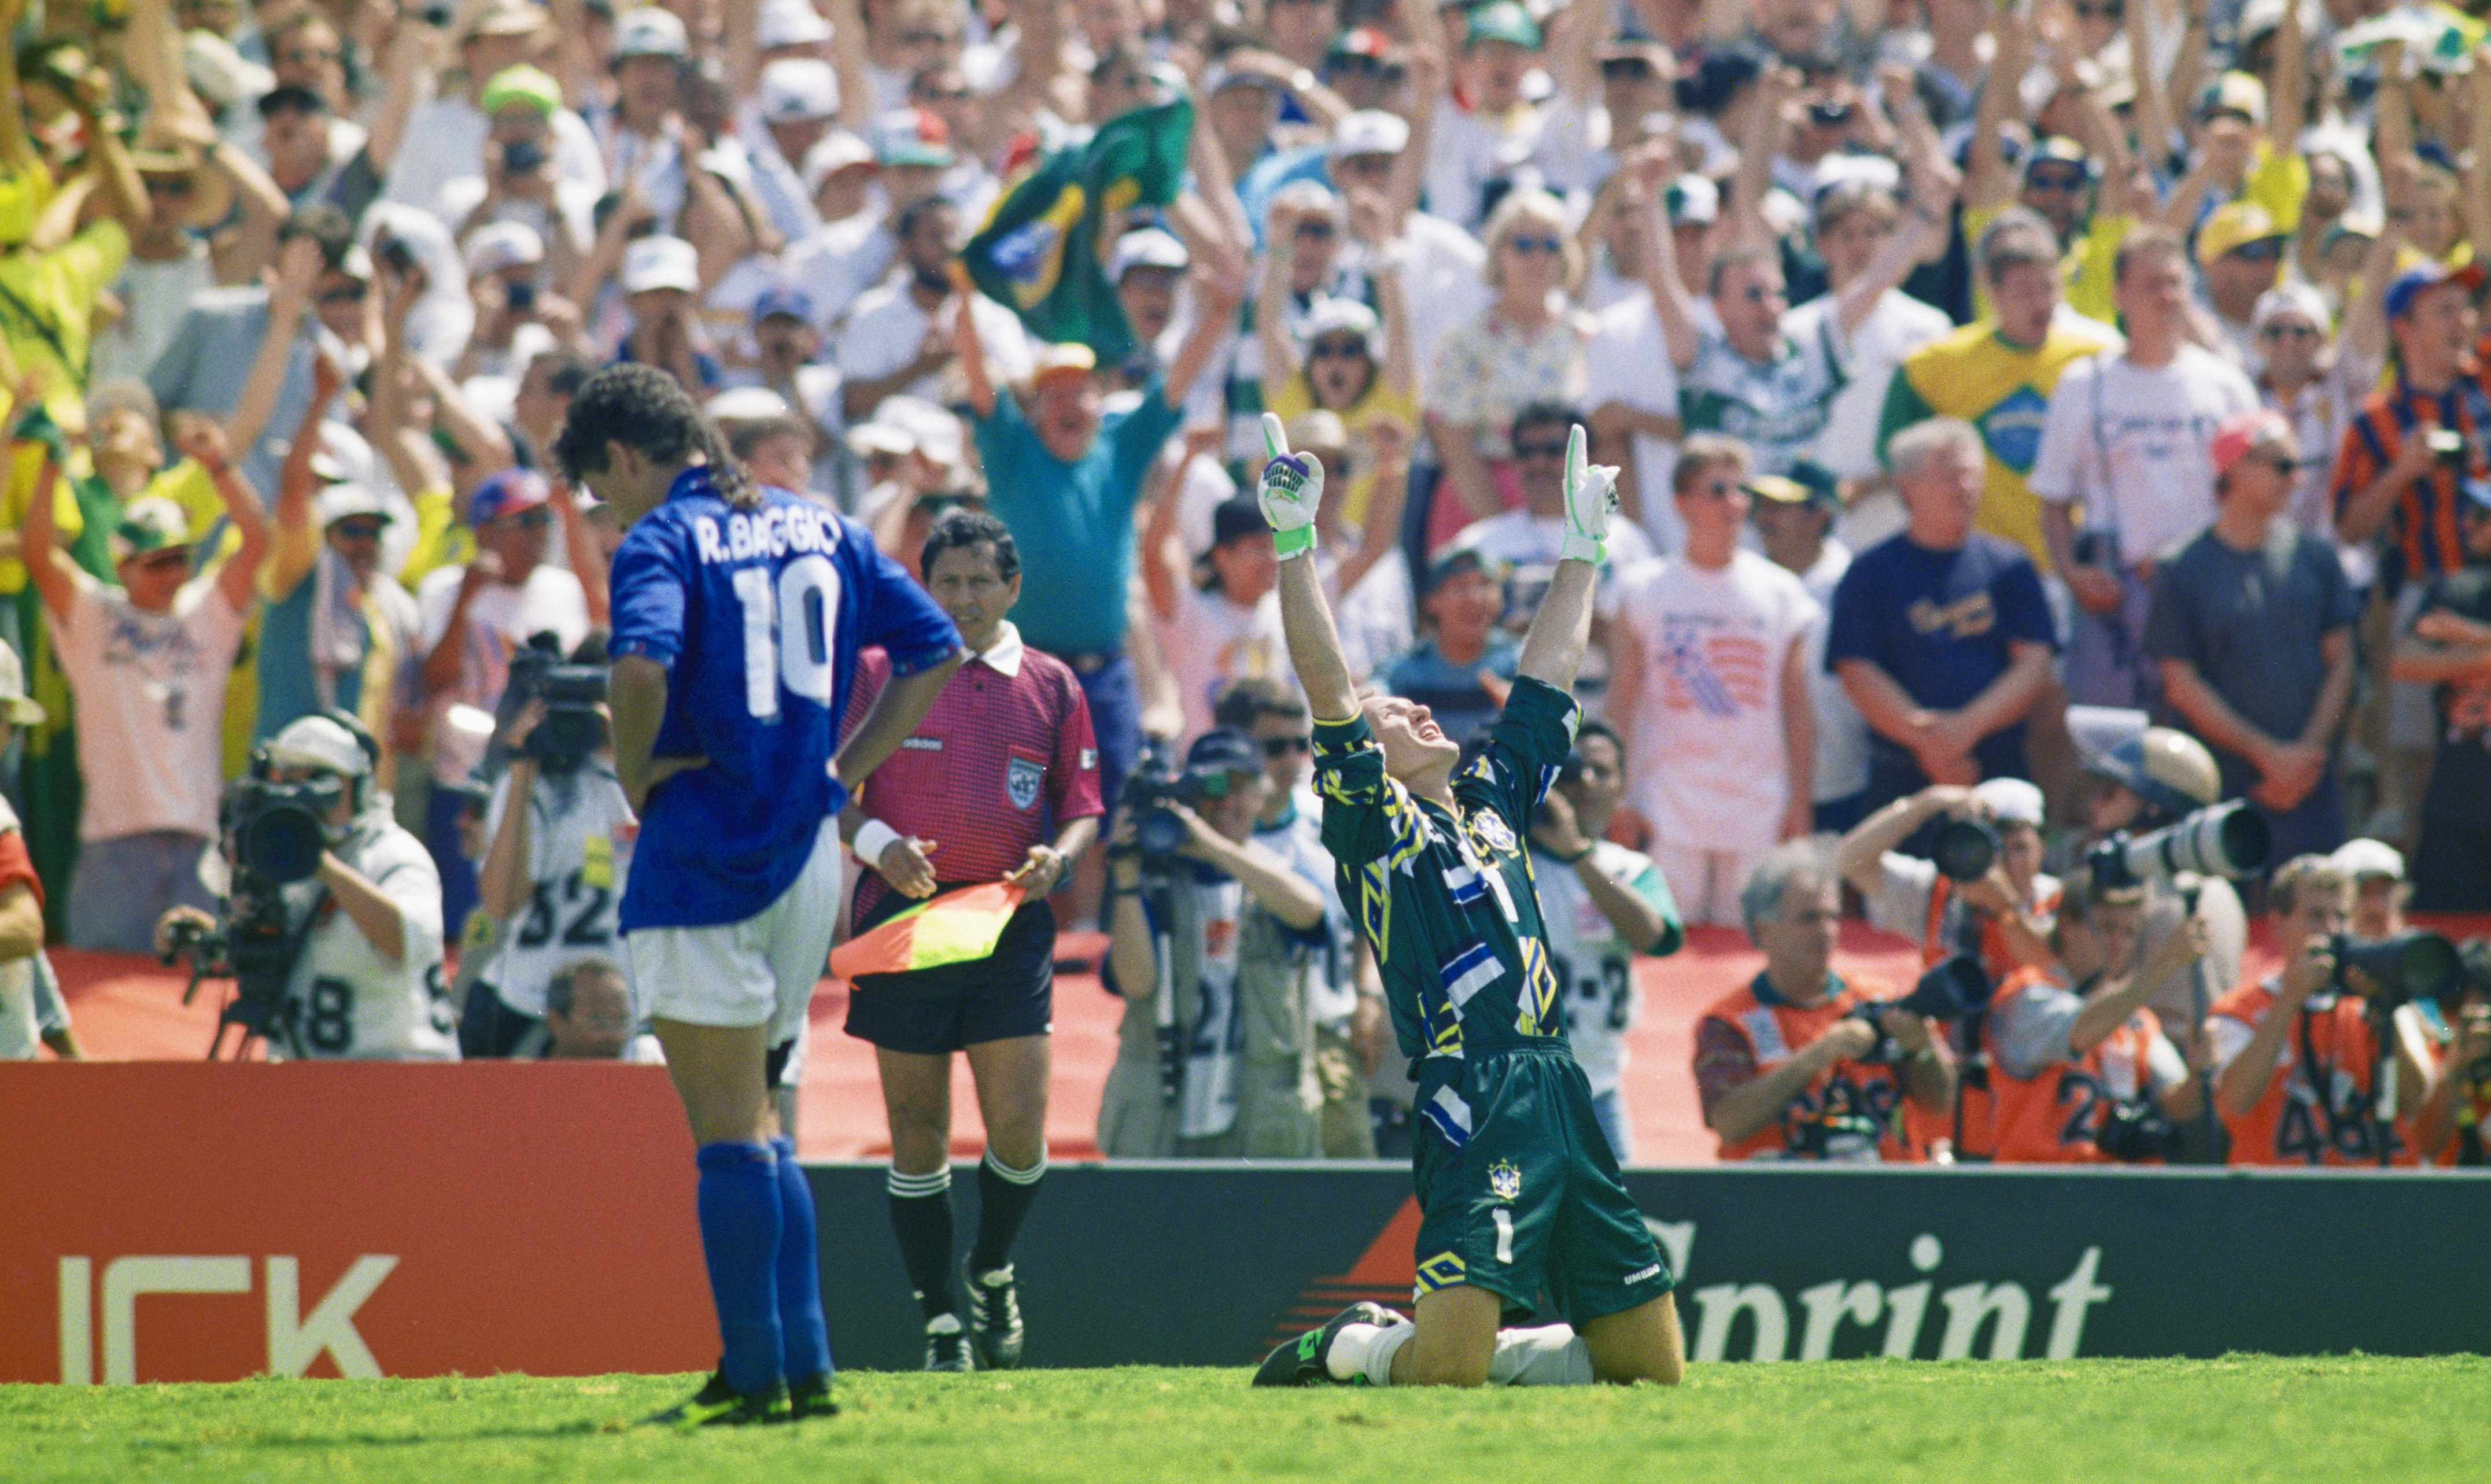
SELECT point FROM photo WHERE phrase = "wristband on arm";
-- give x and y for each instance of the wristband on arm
(873, 838)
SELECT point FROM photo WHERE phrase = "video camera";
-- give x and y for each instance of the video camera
(2224, 839)
(1159, 783)
(575, 697)
(2415, 965)
(1957, 986)
(274, 835)
(1964, 849)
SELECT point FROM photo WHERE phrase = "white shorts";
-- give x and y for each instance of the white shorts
(1705, 882)
(2413, 715)
(759, 970)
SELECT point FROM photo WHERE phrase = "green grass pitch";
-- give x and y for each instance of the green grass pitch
(2237, 1420)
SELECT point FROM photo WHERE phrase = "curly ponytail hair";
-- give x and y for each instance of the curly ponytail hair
(647, 410)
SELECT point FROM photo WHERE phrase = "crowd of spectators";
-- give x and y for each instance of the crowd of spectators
(1990, 381)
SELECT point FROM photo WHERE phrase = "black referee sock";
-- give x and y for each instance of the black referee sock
(921, 1216)
(1004, 1197)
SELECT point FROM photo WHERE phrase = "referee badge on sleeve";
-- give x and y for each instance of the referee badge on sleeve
(1020, 782)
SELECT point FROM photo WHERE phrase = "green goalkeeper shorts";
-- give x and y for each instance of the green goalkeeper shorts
(1520, 1191)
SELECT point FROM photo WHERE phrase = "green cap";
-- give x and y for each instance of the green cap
(522, 84)
(1503, 20)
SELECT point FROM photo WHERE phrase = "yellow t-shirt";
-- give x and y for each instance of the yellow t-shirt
(2084, 271)
(440, 540)
(46, 318)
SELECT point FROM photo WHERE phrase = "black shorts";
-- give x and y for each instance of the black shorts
(489, 1029)
(932, 1011)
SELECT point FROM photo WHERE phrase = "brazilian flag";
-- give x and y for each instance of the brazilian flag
(1039, 252)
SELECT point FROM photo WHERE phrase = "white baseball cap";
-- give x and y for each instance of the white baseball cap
(316, 742)
(503, 244)
(796, 88)
(1149, 247)
(649, 32)
(790, 24)
(660, 262)
(745, 404)
(1369, 131)
(838, 150)
(340, 501)
(2010, 801)
(2362, 858)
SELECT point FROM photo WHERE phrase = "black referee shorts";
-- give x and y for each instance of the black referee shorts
(933, 1011)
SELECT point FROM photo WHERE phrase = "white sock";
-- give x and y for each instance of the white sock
(1350, 1348)
(1551, 1355)
(1380, 1352)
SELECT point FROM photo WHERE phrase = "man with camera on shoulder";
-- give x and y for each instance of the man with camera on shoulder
(2081, 1070)
(1986, 892)
(561, 833)
(356, 934)
(1800, 1065)
(1212, 942)
(2297, 1054)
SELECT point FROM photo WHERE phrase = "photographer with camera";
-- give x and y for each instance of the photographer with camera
(1800, 1065)
(561, 854)
(1985, 893)
(1212, 942)
(2448, 1128)
(2298, 1052)
(2081, 1070)
(332, 921)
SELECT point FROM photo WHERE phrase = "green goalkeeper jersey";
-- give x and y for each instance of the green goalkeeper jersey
(1446, 896)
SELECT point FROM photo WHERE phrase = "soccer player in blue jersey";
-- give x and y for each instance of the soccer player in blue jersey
(738, 611)
(1518, 1190)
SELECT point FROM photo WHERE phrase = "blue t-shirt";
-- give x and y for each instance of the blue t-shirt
(1941, 623)
(1074, 523)
(758, 618)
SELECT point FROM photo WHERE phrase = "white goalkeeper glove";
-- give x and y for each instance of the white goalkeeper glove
(1290, 491)
(1591, 494)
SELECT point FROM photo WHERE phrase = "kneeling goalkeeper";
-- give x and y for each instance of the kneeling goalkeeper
(1519, 1186)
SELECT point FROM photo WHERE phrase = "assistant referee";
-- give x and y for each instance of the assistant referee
(999, 782)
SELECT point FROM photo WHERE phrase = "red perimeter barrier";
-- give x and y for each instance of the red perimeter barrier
(163, 1222)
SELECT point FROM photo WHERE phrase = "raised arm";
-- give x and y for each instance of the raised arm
(298, 269)
(1553, 650)
(1986, 183)
(1925, 223)
(1217, 294)
(54, 575)
(1271, 303)
(1763, 140)
(202, 439)
(295, 545)
(1674, 307)
(965, 344)
(1291, 491)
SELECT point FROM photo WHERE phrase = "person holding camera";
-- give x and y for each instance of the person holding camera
(2000, 909)
(1603, 904)
(2448, 1129)
(998, 783)
(2081, 1072)
(2297, 1054)
(561, 833)
(1215, 938)
(1800, 1065)
(2445, 653)
(366, 981)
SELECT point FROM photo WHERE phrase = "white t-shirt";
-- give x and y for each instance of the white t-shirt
(580, 832)
(499, 620)
(1841, 732)
(1440, 269)
(838, 263)
(888, 326)
(446, 137)
(1629, 363)
(344, 1002)
(1530, 545)
(1709, 767)
(1594, 965)
(151, 705)
(1213, 641)
(1869, 355)
(2136, 444)
(1906, 883)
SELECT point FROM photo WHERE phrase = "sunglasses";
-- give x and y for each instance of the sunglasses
(1625, 66)
(1759, 293)
(1529, 245)
(1320, 231)
(168, 559)
(313, 54)
(2285, 466)
(535, 519)
(1522, 450)
(2266, 250)
(944, 95)
(2100, 12)
(2296, 332)
(346, 293)
(1282, 746)
(357, 530)
(1337, 350)
(925, 37)
(2055, 180)
(1355, 63)
(169, 184)
(1719, 489)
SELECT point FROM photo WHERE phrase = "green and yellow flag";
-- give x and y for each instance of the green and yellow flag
(1039, 252)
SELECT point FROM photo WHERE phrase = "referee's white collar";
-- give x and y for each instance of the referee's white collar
(1004, 655)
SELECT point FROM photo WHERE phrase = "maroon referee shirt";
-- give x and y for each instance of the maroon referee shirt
(1003, 761)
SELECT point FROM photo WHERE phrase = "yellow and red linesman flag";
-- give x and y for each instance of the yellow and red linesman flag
(953, 928)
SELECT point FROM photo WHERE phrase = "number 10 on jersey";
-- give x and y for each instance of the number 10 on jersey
(787, 633)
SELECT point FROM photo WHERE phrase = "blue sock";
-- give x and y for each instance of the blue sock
(800, 1330)
(740, 1223)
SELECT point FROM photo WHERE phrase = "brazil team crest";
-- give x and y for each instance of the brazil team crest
(1504, 1179)
(1020, 782)
(1493, 829)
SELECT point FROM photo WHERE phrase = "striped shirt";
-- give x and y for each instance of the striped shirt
(2422, 535)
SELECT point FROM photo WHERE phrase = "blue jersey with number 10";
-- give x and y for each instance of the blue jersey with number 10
(757, 616)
